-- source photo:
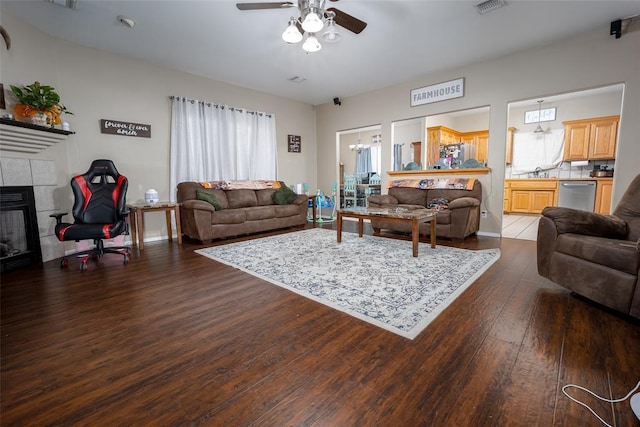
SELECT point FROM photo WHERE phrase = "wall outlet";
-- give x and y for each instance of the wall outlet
(483, 214)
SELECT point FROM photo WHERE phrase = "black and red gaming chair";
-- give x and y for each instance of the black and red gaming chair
(99, 211)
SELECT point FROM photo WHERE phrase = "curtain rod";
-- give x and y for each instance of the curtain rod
(222, 107)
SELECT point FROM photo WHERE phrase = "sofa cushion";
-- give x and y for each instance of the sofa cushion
(242, 198)
(409, 196)
(260, 212)
(229, 216)
(617, 254)
(209, 198)
(438, 203)
(284, 195)
(265, 197)
(284, 211)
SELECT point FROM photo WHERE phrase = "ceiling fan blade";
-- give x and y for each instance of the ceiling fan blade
(347, 21)
(268, 5)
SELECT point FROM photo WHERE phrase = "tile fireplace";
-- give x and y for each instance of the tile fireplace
(39, 176)
(19, 238)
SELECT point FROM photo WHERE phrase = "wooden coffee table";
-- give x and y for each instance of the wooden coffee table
(415, 217)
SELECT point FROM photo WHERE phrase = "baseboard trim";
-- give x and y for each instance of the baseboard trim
(487, 234)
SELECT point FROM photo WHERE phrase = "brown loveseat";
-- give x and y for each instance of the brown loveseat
(459, 220)
(596, 256)
(243, 212)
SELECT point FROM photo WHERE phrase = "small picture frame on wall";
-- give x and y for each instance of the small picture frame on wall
(294, 144)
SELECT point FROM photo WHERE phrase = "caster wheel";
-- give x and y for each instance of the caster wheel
(83, 266)
(64, 263)
(126, 259)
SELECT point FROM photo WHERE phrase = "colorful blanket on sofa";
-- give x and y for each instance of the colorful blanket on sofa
(444, 183)
(241, 185)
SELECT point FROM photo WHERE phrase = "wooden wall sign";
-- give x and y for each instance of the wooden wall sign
(115, 127)
(294, 144)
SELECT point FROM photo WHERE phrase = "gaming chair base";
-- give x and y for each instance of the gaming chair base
(97, 253)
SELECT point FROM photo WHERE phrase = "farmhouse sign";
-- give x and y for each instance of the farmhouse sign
(114, 127)
(438, 92)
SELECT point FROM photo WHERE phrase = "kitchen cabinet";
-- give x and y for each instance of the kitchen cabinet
(417, 148)
(480, 139)
(442, 135)
(604, 189)
(509, 149)
(530, 196)
(506, 206)
(591, 139)
(437, 136)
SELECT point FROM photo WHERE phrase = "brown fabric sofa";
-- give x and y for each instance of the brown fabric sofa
(596, 256)
(460, 220)
(244, 212)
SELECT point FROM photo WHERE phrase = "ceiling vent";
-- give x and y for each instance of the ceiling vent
(489, 5)
(71, 4)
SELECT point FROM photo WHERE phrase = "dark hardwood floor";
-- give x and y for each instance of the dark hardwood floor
(174, 338)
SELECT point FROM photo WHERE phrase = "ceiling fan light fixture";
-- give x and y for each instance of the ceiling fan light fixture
(292, 34)
(312, 22)
(311, 44)
(331, 35)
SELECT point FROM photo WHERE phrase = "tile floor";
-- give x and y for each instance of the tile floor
(524, 227)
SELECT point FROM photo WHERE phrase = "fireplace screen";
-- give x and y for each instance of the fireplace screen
(19, 240)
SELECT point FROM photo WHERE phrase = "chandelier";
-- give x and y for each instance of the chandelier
(313, 20)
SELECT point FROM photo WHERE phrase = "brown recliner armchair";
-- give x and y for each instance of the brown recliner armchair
(596, 256)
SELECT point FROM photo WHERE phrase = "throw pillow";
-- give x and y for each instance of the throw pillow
(284, 196)
(438, 203)
(208, 197)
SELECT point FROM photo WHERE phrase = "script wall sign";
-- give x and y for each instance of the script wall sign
(294, 144)
(115, 127)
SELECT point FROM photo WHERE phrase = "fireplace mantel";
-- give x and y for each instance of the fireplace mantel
(28, 138)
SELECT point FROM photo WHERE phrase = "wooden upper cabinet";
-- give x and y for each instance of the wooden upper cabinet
(591, 139)
(576, 144)
(602, 141)
(442, 135)
(509, 149)
(482, 146)
(417, 150)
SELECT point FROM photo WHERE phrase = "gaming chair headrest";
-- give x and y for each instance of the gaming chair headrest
(101, 167)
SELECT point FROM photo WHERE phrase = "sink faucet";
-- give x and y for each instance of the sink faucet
(536, 172)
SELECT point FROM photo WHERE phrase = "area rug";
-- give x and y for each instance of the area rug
(372, 278)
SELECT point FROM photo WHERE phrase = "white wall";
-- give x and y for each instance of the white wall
(590, 60)
(97, 85)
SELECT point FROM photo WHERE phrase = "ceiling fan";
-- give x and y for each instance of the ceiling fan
(314, 17)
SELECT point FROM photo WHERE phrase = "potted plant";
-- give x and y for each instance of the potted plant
(40, 103)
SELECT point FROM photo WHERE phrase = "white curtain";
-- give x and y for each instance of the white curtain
(540, 151)
(217, 142)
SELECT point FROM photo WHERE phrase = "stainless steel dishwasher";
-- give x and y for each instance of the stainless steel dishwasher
(577, 194)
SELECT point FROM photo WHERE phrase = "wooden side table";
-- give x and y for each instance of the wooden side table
(136, 218)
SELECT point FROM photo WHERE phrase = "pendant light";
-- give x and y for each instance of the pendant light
(292, 34)
(539, 128)
(311, 44)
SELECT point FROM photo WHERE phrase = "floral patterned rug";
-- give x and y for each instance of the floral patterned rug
(372, 278)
